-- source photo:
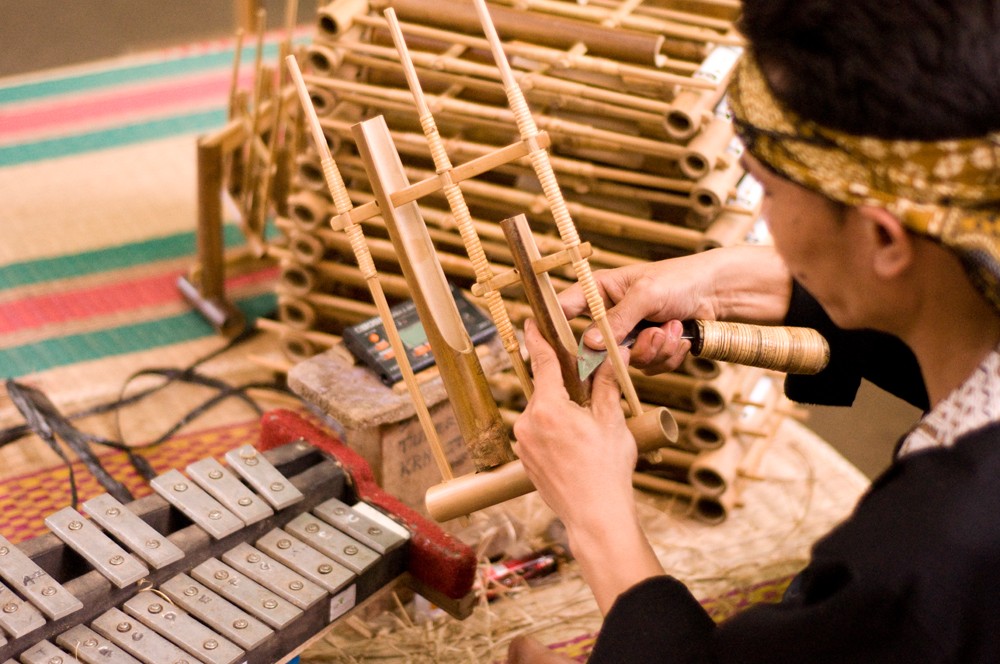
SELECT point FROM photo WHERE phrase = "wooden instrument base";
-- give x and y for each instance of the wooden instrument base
(380, 422)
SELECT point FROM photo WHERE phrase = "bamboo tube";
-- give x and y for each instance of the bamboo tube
(309, 312)
(710, 510)
(542, 299)
(661, 78)
(714, 190)
(587, 217)
(577, 132)
(298, 342)
(702, 432)
(309, 210)
(362, 254)
(544, 91)
(310, 173)
(699, 367)
(691, 107)
(306, 248)
(679, 391)
(456, 202)
(337, 17)
(475, 412)
(468, 493)
(705, 149)
(588, 172)
(532, 81)
(617, 17)
(728, 229)
(678, 16)
(713, 473)
(323, 61)
(623, 45)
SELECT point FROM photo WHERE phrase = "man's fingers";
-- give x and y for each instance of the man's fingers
(544, 363)
(605, 392)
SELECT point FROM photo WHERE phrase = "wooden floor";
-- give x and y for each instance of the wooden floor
(46, 34)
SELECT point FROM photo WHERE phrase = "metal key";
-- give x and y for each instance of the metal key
(225, 487)
(18, 617)
(333, 542)
(114, 562)
(305, 560)
(196, 504)
(132, 531)
(360, 526)
(28, 578)
(178, 626)
(92, 648)
(274, 575)
(46, 652)
(138, 640)
(259, 473)
(246, 593)
(221, 615)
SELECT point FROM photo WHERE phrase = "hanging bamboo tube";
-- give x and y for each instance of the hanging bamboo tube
(557, 206)
(456, 202)
(343, 206)
(475, 411)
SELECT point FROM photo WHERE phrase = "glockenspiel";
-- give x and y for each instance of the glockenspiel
(244, 559)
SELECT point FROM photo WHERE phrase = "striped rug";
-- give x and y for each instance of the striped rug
(98, 191)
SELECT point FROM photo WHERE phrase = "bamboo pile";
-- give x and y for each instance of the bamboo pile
(629, 99)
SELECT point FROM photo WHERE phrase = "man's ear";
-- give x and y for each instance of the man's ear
(892, 246)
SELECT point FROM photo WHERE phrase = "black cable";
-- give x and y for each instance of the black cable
(44, 419)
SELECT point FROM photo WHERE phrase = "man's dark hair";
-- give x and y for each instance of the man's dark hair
(916, 69)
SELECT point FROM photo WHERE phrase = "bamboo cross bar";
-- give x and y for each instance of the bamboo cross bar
(456, 202)
(564, 223)
(343, 204)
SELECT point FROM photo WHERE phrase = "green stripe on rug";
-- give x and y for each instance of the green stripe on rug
(30, 358)
(62, 146)
(139, 73)
(107, 259)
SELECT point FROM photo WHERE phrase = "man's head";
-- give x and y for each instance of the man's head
(872, 145)
(916, 69)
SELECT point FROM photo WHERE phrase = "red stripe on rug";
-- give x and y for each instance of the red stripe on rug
(80, 304)
(117, 106)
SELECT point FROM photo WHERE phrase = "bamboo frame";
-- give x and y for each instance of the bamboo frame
(343, 204)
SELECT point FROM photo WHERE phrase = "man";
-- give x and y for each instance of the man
(874, 129)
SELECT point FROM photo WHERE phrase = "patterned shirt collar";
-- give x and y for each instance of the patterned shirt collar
(973, 404)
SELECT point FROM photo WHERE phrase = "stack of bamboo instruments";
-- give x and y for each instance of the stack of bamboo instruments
(629, 96)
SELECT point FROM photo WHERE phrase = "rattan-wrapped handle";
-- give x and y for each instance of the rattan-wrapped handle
(796, 350)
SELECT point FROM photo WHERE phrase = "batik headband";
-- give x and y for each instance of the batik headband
(946, 190)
